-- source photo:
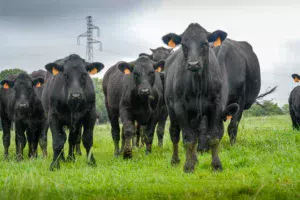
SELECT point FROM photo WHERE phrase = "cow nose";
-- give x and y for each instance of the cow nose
(23, 105)
(76, 96)
(145, 91)
(193, 66)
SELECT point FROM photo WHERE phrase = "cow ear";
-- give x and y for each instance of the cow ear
(38, 82)
(171, 39)
(6, 84)
(147, 55)
(94, 68)
(159, 66)
(125, 67)
(54, 68)
(296, 78)
(217, 37)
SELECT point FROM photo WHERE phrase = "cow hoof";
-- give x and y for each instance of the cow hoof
(202, 151)
(5, 158)
(127, 154)
(92, 163)
(175, 161)
(189, 167)
(54, 166)
(79, 153)
(232, 141)
(71, 159)
(19, 159)
(217, 167)
(148, 152)
(160, 144)
(45, 154)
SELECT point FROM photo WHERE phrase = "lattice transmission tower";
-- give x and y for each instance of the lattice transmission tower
(89, 39)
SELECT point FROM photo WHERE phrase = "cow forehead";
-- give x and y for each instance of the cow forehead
(74, 65)
(194, 32)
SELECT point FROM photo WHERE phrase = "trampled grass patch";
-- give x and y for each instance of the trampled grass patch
(263, 164)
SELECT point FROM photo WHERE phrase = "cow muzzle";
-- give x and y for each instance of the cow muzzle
(194, 66)
(76, 96)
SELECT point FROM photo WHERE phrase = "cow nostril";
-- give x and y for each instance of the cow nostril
(193, 64)
(76, 95)
(145, 91)
(22, 105)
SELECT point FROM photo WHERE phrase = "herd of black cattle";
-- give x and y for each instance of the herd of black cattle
(210, 79)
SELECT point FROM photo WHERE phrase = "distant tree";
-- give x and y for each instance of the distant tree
(100, 101)
(285, 109)
(7, 72)
(266, 108)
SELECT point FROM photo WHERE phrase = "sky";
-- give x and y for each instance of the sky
(36, 32)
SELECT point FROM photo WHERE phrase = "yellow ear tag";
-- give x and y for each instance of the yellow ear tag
(217, 42)
(296, 79)
(94, 71)
(229, 117)
(55, 71)
(158, 69)
(127, 71)
(171, 43)
(38, 85)
(5, 86)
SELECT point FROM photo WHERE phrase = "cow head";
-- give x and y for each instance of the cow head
(296, 78)
(194, 42)
(74, 73)
(143, 73)
(23, 97)
(158, 54)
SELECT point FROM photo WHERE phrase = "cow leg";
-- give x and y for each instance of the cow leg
(128, 125)
(190, 142)
(21, 139)
(174, 130)
(214, 136)
(122, 140)
(73, 138)
(32, 137)
(6, 124)
(202, 140)
(43, 138)
(59, 138)
(78, 150)
(234, 124)
(134, 138)
(149, 133)
(115, 132)
(294, 120)
(87, 137)
(161, 126)
(138, 134)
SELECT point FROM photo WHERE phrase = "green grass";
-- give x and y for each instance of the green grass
(264, 164)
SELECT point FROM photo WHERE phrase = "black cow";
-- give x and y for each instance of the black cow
(243, 70)
(158, 54)
(294, 103)
(69, 100)
(20, 103)
(133, 92)
(196, 93)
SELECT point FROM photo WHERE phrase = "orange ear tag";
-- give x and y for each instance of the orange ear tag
(296, 79)
(127, 71)
(38, 85)
(94, 71)
(229, 117)
(55, 71)
(217, 42)
(5, 86)
(171, 43)
(158, 69)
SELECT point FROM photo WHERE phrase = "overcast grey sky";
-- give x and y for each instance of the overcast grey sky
(35, 32)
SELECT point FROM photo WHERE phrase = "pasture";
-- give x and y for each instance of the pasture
(263, 164)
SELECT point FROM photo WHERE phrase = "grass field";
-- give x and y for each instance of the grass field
(264, 164)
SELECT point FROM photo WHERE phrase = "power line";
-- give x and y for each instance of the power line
(90, 41)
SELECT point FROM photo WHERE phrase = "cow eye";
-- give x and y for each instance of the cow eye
(66, 77)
